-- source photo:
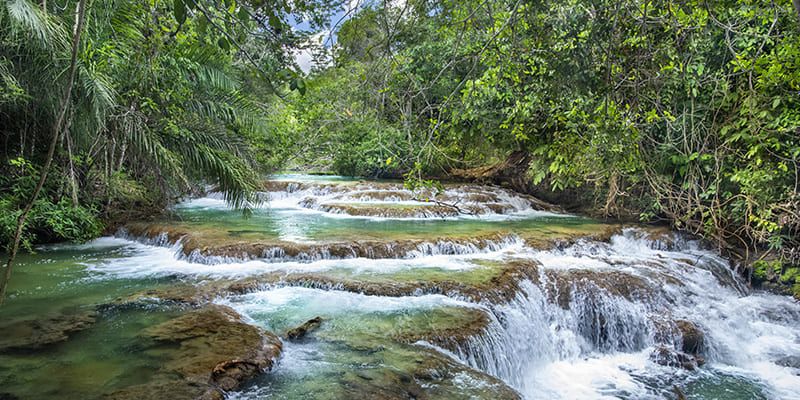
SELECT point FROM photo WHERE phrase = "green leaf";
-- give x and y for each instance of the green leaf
(275, 22)
(179, 8)
(224, 44)
(202, 25)
(243, 15)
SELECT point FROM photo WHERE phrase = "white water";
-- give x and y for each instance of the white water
(332, 303)
(599, 347)
(326, 197)
(548, 352)
(157, 258)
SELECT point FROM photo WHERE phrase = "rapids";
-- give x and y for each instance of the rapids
(501, 296)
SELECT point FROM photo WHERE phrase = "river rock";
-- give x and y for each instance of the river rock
(208, 351)
(163, 387)
(32, 334)
(450, 329)
(301, 331)
(211, 247)
(666, 356)
(561, 285)
(498, 282)
(389, 211)
(692, 338)
(690, 346)
(191, 294)
(211, 336)
(429, 375)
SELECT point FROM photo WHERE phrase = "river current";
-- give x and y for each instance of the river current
(497, 297)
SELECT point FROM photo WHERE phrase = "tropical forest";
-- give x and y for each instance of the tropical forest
(400, 199)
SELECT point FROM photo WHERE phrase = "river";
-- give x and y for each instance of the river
(502, 297)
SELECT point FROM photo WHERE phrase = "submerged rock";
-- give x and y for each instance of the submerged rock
(35, 333)
(449, 328)
(208, 351)
(425, 375)
(666, 356)
(301, 331)
(166, 388)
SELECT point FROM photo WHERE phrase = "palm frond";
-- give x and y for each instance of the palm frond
(234, 178)
(28, 19)
(97, 90)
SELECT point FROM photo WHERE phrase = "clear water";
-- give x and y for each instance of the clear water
(576, 331)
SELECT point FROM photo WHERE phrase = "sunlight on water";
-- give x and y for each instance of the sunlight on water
(589, 319)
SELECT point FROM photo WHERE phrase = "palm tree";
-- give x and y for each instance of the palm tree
(136, 93)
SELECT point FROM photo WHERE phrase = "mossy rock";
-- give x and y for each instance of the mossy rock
(777, 276)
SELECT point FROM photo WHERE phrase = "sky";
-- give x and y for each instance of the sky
(327, 38)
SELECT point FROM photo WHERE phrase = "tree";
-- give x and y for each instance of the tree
(159, 98)
(57, 132)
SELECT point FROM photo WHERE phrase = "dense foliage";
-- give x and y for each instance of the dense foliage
(678, 110)
(166, 96)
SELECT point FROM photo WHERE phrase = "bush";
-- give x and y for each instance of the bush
(49, 221)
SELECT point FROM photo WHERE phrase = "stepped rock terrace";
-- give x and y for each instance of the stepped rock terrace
(307, 299)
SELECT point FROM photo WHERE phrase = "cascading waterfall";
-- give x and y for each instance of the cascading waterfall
(366, 199)
(512, 298)
(278, 254)
(531, 330)
(532, 336)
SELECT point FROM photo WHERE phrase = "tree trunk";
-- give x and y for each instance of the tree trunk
(73, 180)
(58, 127)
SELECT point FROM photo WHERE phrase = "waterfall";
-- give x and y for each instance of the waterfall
(612, 339)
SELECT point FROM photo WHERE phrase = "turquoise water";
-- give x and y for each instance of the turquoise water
(439, 346)
(55, 284)
(289, 224)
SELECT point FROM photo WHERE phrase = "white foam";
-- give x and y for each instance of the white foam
(144, 260)
(311, 196)
(101, 243)
(334, 302)
(545, 352)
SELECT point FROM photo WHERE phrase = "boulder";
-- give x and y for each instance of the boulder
(208, 351)
(428, 375)
(451, 328)
(561, 285)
